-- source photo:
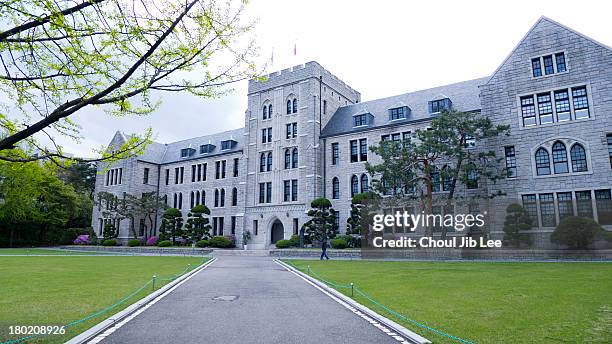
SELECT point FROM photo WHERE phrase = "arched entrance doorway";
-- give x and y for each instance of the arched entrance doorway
(278, 231)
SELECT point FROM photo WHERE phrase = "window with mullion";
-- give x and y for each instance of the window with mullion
(354, 150)
(545, 108)
(528, 111)
(559, 153)
(547, 210)
(548, 65)
(560, 59)
(579, 161)
(286, 190)
(536, 67)
(603, 201)
(581, 102)
(531, 207)
(336, 153)
(294, 190)
(565, 206)
(363, 149)
(510, 162)
(562, 105)
(542, 161)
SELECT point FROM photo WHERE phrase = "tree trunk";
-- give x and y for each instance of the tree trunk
(11, 236)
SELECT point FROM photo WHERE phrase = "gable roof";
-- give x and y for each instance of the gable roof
(464, 96)
(533, 27)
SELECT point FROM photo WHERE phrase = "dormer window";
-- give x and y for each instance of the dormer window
(207, 148)
(398, 113)
(227, 144)
(436, 106)
(187, 152)
(360, 120)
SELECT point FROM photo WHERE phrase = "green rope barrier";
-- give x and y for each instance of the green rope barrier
(116, 304)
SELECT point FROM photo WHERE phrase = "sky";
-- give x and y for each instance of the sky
(380, 48)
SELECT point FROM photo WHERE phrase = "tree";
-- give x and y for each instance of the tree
(197, 224)
(575, 232)
(321, 226)
(172, 225)
(62, 57)
(517, 220)
(81, 176)
(109, 231)
(147, 206)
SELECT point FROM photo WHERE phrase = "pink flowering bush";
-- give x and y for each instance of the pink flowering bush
(152, 241)
(82, 239)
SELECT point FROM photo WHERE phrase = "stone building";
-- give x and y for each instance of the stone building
(307, 134)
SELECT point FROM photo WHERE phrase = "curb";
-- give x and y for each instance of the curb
(114, 319)
(349, 303)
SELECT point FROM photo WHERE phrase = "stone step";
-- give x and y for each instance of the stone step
(239, 252)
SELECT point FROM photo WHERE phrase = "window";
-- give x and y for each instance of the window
(270, 111)
(234, 197)
(222, 203)
(528, 111)
(559, 158)
(295, 105)
(439, 105)
(262, 162)
(216, 198)
(335, 188)
(363, 149)
(288, 107)
(581, 102)
(191, 199)
(336, 151)
(208, 148)
(265, 112)
(511, 171)
(217, 169)
(472, 178)
(291, 132)
(536, 67)
(266, 135)
(560, 59)
(197, 200)
(354, 185)
(180, 200)
(269, 161)
(609, 141)
(203, 197)
(548, 65)
(187, 152)
(562, 105)
(565, 206)
(435, 180)
(287, 158)
(364, 183)
(531, 207)
(167, 176)
(545, 108)
(296, 226)
(446, 178)
(397, 113)
(603, 202)
(204, 171)
(325, 107)
(265, 192)
(294, 158)
(255, 227)
(578, 155)
(354, 151)
(542, 160)
(226, 144)
(175, 201)
(286, 190)
(223, 168)
(236, 162)
(547, 210)
(359, 120)
(294, 190)
(193, 173)
(145, 177)
(233, 222)
(584, 204)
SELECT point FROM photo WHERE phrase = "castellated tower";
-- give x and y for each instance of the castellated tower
(285, 115)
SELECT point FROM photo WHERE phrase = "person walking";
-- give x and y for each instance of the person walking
(324, 249)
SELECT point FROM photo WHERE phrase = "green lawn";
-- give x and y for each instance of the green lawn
(42, 251)
(486, 302)
(57, 290)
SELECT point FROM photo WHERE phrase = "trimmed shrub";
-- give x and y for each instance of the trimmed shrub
(339, 243)
(202, 243)
(164, 243)
(220, 242)
(576, 232)
(295, 240)
(109, 242)
(82, 239)
(283, 244)
(133, 242)
(152, 241)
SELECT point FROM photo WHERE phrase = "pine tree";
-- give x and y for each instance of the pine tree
(172, 225)
(517, 220)
(197, 225)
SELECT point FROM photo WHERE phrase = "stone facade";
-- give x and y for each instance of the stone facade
(324, 116)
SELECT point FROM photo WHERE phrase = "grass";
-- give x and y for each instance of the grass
(42, 251)
(58, 290)
(486, 302)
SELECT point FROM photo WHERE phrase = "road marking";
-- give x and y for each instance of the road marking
(355, 311)
(115, 327)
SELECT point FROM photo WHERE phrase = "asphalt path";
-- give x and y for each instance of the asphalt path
(247, 300)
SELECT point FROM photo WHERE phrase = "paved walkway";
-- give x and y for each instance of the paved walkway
(272, 306)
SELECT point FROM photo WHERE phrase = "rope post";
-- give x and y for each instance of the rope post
(309, 269)
(154, 278)
(352, 289)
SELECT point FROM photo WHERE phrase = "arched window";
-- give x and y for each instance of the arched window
(234, 197)
(269, 162)
(294, 158)
(265, 112)
(288, 107)
(335, 188)
(270, 111)
(295, 104)
(216, 198)
(559, 154)
(364, 183)
(542, 160)
(191, 200)
(446, 178)
(222, 204)
(262, 162)
(579, 161)
(435, 180)
(354, 185)
(203, 197)
(287, 158)
(180, 204)
(198, 197)
(472, 177)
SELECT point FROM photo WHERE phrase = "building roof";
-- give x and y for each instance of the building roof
(463, 95)
(160, 153)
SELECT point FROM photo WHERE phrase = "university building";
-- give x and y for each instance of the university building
(306, 135)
